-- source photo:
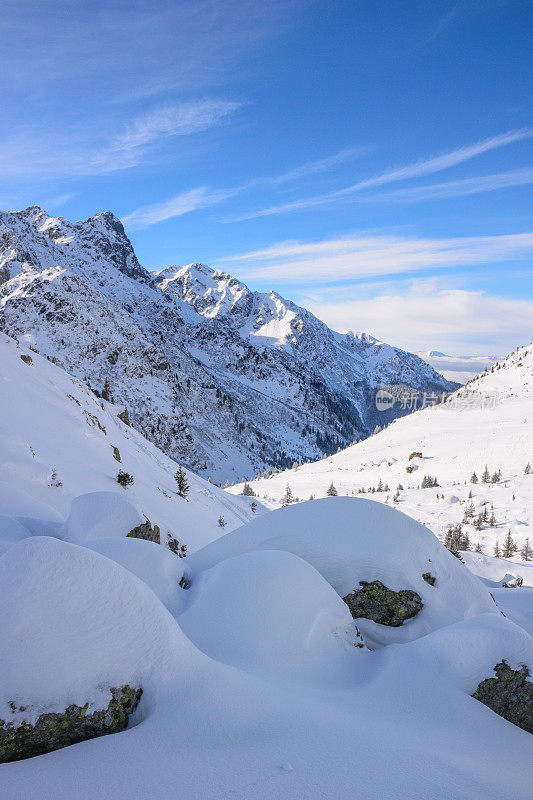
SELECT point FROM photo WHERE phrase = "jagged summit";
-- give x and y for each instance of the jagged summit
(226, 380)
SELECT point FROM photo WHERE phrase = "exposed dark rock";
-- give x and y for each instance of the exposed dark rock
(27, 359)
(176, 547)
(56, 730)
(145, 531)
(124, 417)
(428, 578)
(510, 695)
(376, 602)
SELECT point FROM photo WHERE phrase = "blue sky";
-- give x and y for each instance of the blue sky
(372, 161)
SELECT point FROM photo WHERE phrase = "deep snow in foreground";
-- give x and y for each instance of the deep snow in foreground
(254, 685)
(488, 423)
(257, 683)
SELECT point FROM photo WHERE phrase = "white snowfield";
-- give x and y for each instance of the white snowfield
(359, 540)
(57, 443)
(257, 684)
(489, 423)
(253, 684)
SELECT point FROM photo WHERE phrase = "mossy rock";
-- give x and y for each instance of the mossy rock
(145, 531)
(509, 694)
(376, 602)
(429, 578)
(56, 730)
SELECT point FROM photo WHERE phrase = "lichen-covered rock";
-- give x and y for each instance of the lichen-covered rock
(145, 531)
(376, 602)
(429, 578)
(52, 731)
(510, 695)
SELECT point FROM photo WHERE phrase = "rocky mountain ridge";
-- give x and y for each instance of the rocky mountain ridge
(226, 380)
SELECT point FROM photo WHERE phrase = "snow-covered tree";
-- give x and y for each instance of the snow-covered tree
(247, 490)
(497, 552)
(528, 470)
(526, 553)
(332, 492)
(509, 547)
(486, 475)
(182, 485)
(287, 497)
(474, 478)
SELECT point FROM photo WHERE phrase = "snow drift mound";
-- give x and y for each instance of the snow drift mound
(271, 613)
(353, 542)
(76, 625)
(100, 515)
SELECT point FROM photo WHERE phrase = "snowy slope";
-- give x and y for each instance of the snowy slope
(57, 442)
(225, 380)
(457, 368)
(253, 686)
(488, 422)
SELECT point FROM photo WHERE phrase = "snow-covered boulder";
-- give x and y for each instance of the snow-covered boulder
(271, 613)
(100, 515)
(76, 627)
(11, 532)
(353, 540)
(157, 566)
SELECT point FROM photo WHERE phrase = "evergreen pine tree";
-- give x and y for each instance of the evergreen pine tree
(182, 483)
(486, 475)
(497, 550)
(106, 391)
(124, 478)
(478, 548)
(474, 478)
(332, 492)
(247, 490)
(526, 553)
(528, 469)
(509, 547)
(287, 497)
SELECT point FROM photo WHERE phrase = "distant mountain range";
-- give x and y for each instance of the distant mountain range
(457, 368)
(225, 380)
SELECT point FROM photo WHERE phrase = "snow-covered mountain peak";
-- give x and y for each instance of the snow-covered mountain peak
(227, 380)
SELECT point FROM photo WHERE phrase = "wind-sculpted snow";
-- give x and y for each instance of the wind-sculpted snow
(254, 681)
(225, 380)
(349, 540)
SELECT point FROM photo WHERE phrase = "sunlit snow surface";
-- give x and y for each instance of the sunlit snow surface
(488, 423)
(254, 686)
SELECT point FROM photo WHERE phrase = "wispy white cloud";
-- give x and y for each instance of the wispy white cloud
(420, 318)
(459, 188)
(320, 165)
(371, 255)
(128, 148)
(415, 170)
(176, 206)
(201, 197)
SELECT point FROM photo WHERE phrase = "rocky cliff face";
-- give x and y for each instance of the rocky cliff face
(225, 380)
